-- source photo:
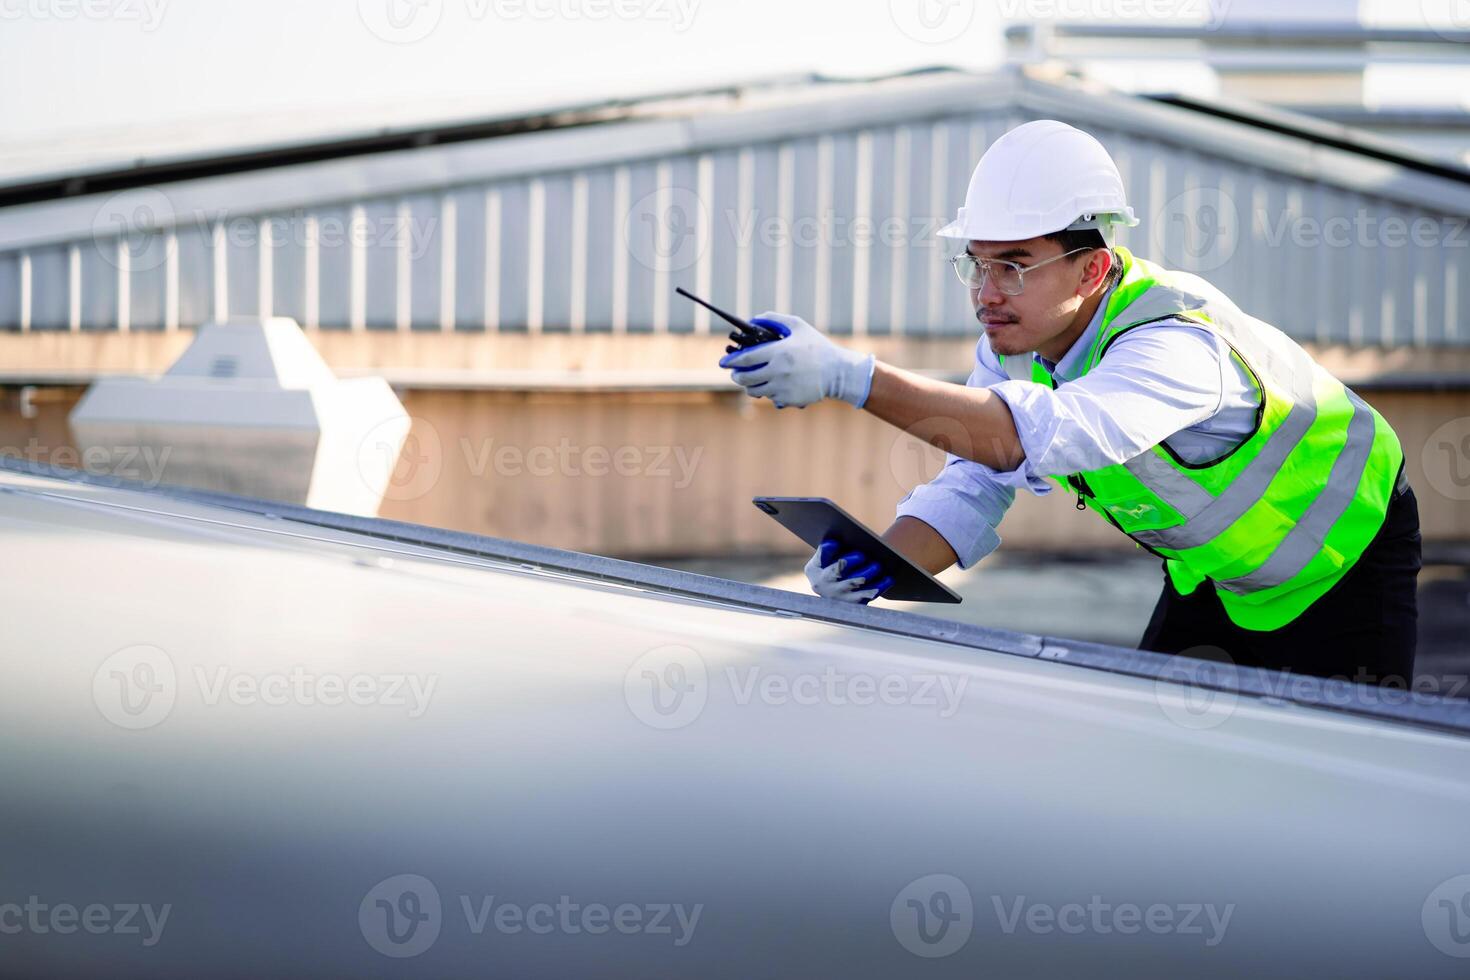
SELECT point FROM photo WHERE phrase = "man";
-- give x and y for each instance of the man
(1274, 496)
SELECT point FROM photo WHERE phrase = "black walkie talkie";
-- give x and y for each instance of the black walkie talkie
(745, 334)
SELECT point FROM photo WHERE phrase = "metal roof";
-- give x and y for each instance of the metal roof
(707, 119)
(185, 506)
(176, 703)
(508, 223)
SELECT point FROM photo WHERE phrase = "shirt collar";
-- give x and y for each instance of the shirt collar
(1069, 368)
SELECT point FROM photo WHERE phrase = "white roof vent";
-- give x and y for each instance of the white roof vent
(251, 408)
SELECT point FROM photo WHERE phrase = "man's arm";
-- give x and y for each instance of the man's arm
(1153, 383)
(953, 518)
(971, 422)
(920, 544)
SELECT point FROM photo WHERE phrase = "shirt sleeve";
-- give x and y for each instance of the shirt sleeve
(965, 501)
(1153, 382)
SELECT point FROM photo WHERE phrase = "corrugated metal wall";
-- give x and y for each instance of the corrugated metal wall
(837, 227)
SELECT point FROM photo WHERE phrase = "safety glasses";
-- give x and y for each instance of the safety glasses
(1009, 277)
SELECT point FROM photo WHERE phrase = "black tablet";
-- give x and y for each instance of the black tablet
(815, 519)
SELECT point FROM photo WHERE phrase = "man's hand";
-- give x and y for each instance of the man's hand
(801, 368)
(845, 578)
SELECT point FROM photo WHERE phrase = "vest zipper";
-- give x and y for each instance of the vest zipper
(1079, 485)
(1074, 480)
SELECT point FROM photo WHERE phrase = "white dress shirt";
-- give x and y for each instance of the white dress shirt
(1172, 381)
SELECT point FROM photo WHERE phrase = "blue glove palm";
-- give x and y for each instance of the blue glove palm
(846, 578)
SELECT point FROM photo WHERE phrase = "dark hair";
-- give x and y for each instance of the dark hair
(1069, 239)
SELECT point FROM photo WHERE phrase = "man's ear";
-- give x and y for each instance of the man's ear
(1095, 271)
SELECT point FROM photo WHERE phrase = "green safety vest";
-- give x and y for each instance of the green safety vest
(1278, 520)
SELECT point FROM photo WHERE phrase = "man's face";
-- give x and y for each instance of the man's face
(1048, 303)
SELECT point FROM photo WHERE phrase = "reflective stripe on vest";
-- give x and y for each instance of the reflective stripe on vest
(1304, 540)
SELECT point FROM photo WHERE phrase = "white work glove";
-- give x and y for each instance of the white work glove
(801, 368)
(825, 571)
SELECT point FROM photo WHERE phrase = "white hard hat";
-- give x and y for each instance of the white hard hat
(1039, 178)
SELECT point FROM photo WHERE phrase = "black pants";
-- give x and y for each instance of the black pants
(1364, 628)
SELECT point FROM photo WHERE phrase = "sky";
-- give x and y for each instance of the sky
(74, 69)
